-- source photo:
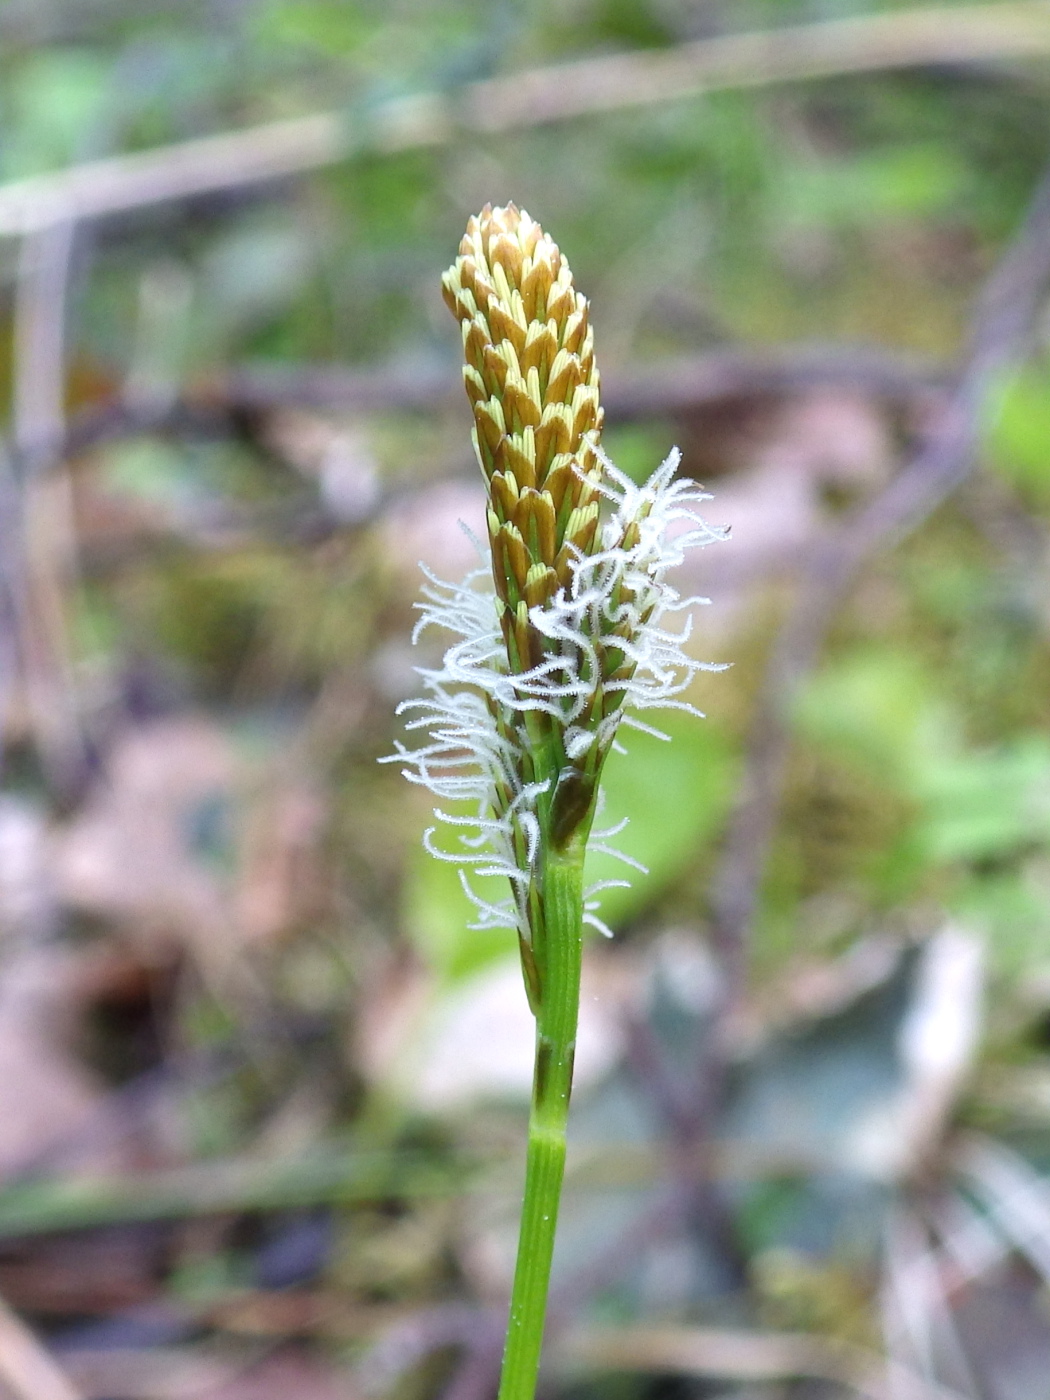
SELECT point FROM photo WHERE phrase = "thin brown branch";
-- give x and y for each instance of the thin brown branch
(239, 404)
(679, 385)
(39, 341)
(932, 36)
(864, 44)
(41, 563)
(744, 1356)
(691, 383)
(120, 183)
(27, 1370)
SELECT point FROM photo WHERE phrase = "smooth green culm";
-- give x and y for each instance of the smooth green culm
(551, 1089)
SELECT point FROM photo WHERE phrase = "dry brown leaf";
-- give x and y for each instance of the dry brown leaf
(290, 1371)
(45, 1095)
(185, 848)
(134, 854)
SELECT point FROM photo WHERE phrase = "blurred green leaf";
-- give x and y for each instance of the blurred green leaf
(55, 107)
(254, 273)
(674, 796)
(1012, 910)
(313, 24)
(638, 448)
(437, 916)
(984, 805)
(879, 709)
(1019, 436)
(875, 707)
(978, 816)
(914, 181)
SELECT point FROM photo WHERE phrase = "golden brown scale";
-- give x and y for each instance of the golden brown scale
(533, 386)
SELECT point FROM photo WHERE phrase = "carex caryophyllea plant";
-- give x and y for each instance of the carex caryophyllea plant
(555, 647)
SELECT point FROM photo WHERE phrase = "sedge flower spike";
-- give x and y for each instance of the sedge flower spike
(554, 649)
(572, 635)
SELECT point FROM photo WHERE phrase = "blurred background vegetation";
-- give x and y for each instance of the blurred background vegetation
(262, 1090)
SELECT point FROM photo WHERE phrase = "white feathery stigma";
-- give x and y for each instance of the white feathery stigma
(474, 708)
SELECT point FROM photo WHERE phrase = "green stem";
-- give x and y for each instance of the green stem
(559, 963)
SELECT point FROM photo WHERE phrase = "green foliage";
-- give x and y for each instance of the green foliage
(314, 27)
(674, 795)
(853, 193)
(635, 447)
(56, 107)
(973, 819)
(986, 806)
(875, 708)
(1019, 437)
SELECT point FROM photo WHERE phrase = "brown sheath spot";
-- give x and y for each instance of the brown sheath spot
(544, 1054)
(572, 800)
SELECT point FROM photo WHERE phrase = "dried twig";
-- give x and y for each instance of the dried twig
(411, 1340)
(1015, 1196)
(162, 1372)
(27, 1371)
(694, 382)
(680, 385)
(674, 385)
(240, 404)
(918, 1325)
(908, 39)
(905, 39)
(39, 341)
(37, 569)
(743, 1356)
(12, 597)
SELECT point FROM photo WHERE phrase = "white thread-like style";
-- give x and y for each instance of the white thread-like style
(474, 708)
